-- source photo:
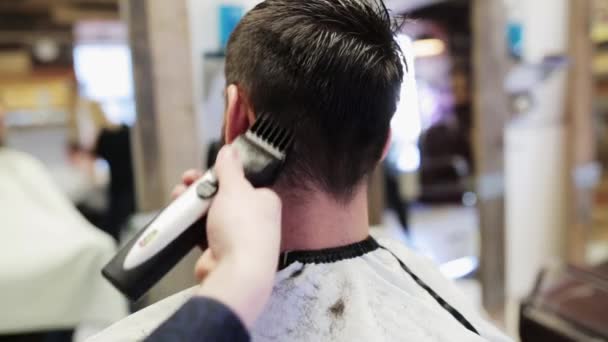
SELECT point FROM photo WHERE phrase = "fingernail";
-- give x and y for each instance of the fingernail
(228, 152)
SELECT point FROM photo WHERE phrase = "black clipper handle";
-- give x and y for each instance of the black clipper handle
(136, 268)
(261, 169)
(136, 282)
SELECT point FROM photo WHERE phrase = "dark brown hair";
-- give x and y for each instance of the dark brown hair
(331, 70)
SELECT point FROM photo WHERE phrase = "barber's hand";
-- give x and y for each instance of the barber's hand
(244, 234)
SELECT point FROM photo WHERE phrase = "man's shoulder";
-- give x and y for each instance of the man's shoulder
(19, 159)
(428, 271)
(9, 153)
(137, 326)
(421, 266)
(408, 256)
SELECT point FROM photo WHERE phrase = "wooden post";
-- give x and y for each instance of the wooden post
(490, 63)
(580, 132)
(165, 138)
(376, 195)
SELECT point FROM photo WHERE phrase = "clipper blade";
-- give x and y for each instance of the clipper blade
(263, 150)
(270, 135)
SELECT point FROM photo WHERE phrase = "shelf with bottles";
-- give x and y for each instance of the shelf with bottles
(37, 99)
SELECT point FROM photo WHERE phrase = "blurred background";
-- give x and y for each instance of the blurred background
(495, 172)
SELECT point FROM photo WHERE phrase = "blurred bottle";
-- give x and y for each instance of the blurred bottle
(515, 31)
(230, 13)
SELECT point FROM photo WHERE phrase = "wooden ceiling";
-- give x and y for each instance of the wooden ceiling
(24, 20)
(24, 24)
(29, 6)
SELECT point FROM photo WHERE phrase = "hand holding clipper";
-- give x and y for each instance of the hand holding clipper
(159, 246)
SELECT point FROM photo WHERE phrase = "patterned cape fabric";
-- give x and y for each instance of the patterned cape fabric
(359, 292)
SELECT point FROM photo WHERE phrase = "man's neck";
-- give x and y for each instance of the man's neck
(320, 221)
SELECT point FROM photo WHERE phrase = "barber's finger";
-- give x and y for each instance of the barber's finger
(229, 169)
(191, 176)
(269, 197)
(178, 190)
(205, 264)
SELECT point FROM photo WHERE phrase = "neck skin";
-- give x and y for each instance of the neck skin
(320, 222)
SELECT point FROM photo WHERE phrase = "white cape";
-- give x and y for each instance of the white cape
(50, 256)
(366, 298)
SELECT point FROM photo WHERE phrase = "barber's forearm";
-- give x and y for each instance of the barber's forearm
(201, 319)
(242, 285)
(226, 306)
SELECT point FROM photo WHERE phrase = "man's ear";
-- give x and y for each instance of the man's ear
(387, 144)
(238, 114)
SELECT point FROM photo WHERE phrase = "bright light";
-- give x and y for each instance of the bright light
(409, 158)
(428, 47)
(406, 125)
(104, 73)
(429, 104)
(460, 267)
(104, 70)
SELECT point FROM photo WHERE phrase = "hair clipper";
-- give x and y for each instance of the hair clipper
(176, 230)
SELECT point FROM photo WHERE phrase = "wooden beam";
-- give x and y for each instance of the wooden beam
(490, 103)
(376, 196)
(166, 139)
(44, 6)
(70, 14)
(580, 123)
(29, 37)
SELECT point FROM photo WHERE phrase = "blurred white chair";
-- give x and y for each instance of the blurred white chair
(50, 256)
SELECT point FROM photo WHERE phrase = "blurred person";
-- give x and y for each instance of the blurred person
(332, 71)
(113, 144)
(50, 257)
(86, 185)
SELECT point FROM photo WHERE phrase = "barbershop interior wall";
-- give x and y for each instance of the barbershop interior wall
(204, 29)
(534, 195)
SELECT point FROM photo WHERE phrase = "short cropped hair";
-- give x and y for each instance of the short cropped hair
(329, 69)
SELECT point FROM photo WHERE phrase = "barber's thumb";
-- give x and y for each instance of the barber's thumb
(228, 167)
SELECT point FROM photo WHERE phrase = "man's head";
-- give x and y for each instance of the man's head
(329, 69)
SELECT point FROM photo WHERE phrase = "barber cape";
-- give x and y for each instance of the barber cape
(367, 291)
(50, 256)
